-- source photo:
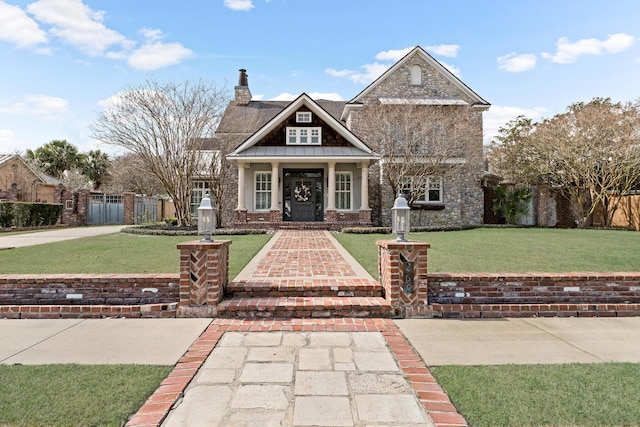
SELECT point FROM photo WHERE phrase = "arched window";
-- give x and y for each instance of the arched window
(416, 75)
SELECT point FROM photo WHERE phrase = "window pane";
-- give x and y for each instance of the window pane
(263, 191)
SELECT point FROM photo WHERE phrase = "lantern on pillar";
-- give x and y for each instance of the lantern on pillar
(400, 217)
(206, 218)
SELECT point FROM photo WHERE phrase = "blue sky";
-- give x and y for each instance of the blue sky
(61, 59)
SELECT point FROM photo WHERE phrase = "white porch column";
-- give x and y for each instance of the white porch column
(274, 186)
(241, 201)
(331, 200)
(364, 183)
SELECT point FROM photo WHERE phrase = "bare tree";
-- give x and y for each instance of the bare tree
(418, 142)
(591, 152)
(163, 124)
(128, 173)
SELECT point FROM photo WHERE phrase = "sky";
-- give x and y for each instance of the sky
(60, 60)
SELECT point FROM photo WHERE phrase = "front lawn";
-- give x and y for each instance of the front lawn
(602, 394)
(119, 253)
(512, 250)
(75, 395)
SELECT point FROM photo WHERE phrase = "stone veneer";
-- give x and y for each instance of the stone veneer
(462, 193)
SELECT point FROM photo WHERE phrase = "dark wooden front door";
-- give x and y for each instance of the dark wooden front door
(303, 196)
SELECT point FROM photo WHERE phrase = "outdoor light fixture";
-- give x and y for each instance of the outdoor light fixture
(206, 218)
(400, 217)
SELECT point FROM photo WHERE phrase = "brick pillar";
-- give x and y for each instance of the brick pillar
(275, 215)
(204, 274)
(128, 202)
(402, 269)
(542, 198)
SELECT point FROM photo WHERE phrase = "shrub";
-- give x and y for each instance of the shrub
(162, 229)
(18, 214)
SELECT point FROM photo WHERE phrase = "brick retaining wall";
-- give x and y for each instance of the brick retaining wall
(467, 295)
(89, 289)
(450, 295)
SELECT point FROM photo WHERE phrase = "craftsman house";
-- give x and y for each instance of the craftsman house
(321, 164)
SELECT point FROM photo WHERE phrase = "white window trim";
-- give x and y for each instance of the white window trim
(301, 115)
(424, 201)
(255, 190)
(297, 135)
(350, 190)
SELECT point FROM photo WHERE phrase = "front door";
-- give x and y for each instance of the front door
(303, 196)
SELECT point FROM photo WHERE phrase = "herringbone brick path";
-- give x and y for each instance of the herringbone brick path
(304, 273)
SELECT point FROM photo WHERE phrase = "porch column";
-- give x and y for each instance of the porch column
(241, 201)
(274, 186)
(331, 200)
(364, 183)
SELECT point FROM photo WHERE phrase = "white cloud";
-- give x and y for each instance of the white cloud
(47, 106)
(239, 4)
(285, 96)
(155, 54)
(393, 55)
(498, 116)
(568, 52)
(516, 63)
(448, 50)
(370, 73)
(452, 68)
(338, 73)
(76, 24)
(16, 27)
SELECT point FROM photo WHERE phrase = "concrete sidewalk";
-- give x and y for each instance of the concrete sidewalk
(524, 341)
(438, 341)
(55, 235)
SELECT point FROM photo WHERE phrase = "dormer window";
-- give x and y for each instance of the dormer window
(304, 136)
(303, 117)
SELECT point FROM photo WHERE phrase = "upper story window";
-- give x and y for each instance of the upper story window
(423, 190)
(304, 136)
(416, 75)
(303, 117)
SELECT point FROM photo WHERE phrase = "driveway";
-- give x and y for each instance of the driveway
(57, 235)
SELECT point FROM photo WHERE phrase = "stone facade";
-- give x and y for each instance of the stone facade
(415, 80)
(463, 201)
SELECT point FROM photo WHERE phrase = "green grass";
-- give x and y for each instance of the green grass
(75, 395)
(603, 394)
(119, 253)
(495, 250)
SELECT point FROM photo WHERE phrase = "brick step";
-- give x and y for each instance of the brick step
(297, 307)
(325, 287)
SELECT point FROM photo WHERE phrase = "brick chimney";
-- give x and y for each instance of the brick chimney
(243, 94)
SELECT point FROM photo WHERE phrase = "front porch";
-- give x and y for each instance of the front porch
(273, 220)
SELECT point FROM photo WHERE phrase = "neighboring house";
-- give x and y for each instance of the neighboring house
(308, 163)
(21, 182)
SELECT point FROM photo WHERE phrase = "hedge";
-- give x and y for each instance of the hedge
(20, 214)
(161, 229)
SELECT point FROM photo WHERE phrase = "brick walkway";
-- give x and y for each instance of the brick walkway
(307, 259)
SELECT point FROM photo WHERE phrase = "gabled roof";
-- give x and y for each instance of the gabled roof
(477, 100)
(256, 114)
(359, 148)
(42, 177)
